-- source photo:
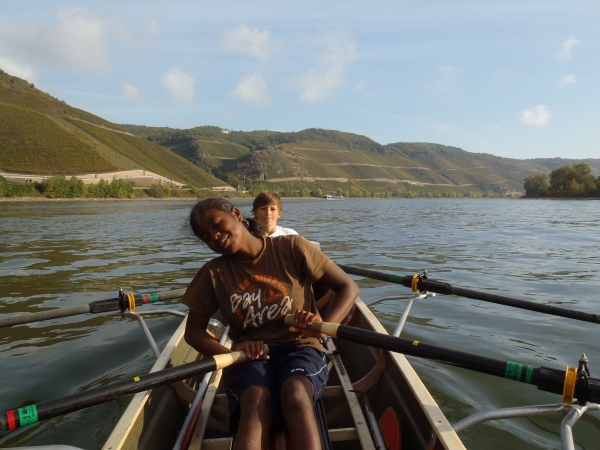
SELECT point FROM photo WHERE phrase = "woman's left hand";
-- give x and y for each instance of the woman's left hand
(303, 320)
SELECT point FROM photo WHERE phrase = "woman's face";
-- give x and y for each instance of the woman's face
(222, 231)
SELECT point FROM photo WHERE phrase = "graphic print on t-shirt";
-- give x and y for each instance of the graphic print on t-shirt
(260, 299)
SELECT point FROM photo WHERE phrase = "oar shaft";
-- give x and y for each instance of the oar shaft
(523, 304)
(458, 358)
(545, 378)
(440, 287)
(44, 315)
(20, 417)
(98, 306)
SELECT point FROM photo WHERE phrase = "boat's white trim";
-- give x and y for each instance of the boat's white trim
(117, 438)
(206, 408)
(360, 422)
(200, 427)
(437, 420)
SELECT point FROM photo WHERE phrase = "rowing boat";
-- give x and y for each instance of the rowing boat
(374, 399)
(154, 418)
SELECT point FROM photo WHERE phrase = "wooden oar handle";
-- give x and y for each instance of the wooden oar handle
(227, 359)
(328, 328)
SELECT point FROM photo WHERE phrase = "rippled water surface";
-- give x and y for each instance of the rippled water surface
(55, 255)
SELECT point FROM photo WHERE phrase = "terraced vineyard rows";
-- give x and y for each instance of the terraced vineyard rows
(30, 142)
(152, 156)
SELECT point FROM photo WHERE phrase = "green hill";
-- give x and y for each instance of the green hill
(42, 135)
(334, 160)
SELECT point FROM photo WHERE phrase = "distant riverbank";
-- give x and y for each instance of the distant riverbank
(92, 199)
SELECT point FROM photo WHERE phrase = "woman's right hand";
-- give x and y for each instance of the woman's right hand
(253, 349)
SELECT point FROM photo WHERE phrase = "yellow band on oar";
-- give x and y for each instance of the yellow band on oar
(131, 299)
(415, 283)
(569, 387)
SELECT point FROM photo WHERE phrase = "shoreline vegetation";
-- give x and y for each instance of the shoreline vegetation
(60, 187)
(566, 182)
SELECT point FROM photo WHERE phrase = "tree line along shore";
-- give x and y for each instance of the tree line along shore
(60, 187)
(574, 181)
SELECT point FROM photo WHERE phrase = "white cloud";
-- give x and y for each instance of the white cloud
(252, 89)
(337, 53)
(17, 69)
(567, 46)
(130, 91)
(77, 41)
(179, 84)
(80, 40)
(249, 42)
(568, 79)
(538, 116)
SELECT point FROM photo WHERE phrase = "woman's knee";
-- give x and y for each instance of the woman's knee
(296, 394)
(256, 400)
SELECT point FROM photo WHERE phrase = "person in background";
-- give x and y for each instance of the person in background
(254, 283)
(267, 209)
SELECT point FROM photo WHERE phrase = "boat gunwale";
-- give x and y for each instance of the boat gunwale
(437, 420)
(126, 422)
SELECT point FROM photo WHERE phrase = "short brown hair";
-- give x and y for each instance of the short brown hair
(266, 198)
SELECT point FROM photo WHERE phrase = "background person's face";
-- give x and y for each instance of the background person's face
(267, 216)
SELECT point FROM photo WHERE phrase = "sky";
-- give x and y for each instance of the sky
(517, 79)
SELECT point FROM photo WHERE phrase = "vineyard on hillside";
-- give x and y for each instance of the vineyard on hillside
(32, 143)
(152, 156)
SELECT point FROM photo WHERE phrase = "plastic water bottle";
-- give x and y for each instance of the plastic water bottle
(216, 328)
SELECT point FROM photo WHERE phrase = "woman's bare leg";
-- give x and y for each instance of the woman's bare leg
(299, 414)
(256, 417)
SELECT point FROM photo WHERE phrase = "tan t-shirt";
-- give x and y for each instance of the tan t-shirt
(254, 296)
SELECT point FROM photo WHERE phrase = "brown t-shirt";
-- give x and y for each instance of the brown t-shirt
(254, 296)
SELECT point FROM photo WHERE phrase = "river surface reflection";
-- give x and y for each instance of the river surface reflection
(60, 254)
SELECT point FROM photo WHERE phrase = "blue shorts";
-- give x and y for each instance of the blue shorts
(285, 361)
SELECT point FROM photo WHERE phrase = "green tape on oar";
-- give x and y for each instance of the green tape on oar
(16, 418)
(28, 415)
(529, 374)
(514, 371)
(153, 297)
(396, 279)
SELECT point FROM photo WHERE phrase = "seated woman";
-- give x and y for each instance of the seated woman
(254, 284)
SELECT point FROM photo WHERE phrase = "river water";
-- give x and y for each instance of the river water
(60, 254)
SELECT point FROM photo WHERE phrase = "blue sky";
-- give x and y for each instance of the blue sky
(518, 79)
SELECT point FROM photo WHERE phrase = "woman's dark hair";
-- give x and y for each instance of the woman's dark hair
(222, 204)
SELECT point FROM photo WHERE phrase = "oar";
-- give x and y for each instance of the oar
(123, 302)
(16, 418)
(548, 379)
(421, 284)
